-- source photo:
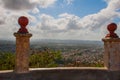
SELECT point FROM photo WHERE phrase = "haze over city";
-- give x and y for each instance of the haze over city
(60, 19)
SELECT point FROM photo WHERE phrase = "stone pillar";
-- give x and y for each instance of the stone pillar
(22, 47)
(112, 49)
(112, 54)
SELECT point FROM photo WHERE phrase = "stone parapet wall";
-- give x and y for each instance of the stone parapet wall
(68, 73)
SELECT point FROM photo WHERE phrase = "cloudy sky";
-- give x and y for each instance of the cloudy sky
(60, 19)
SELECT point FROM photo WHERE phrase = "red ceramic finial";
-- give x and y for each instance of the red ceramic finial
(23, 22)
(111, 28)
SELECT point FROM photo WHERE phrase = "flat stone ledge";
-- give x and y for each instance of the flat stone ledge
(59, 68)
(6, 71)
(70, 68)
(62, 73)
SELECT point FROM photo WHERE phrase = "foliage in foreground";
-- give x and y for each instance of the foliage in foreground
(47, 58)
(7, 60)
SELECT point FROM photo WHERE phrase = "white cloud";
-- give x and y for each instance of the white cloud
(63, 23)
(17, 4)
(25, 4)
(48, 22)
(11, 10)
(68, 2)
(66, 26)
(35, 10)
(72, 21)
(46, 3)
(73, 27)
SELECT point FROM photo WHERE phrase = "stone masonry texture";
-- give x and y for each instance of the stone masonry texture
(22, 52)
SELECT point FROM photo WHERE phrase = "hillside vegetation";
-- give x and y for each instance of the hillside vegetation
(55, 53)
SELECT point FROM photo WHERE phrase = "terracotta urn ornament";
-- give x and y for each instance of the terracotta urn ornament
(111, 28)
(23, 22)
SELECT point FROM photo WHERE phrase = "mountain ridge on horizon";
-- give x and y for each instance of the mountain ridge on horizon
(54, 41)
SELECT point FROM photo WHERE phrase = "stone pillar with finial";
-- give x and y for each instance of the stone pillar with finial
(22, 46)
(112, 49)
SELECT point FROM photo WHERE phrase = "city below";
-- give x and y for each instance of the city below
(74, 52)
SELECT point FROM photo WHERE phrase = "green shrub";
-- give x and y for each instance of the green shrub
(7, 60)
(47, 58)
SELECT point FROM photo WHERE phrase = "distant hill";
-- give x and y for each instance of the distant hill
(66, 43)
(6, 45)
